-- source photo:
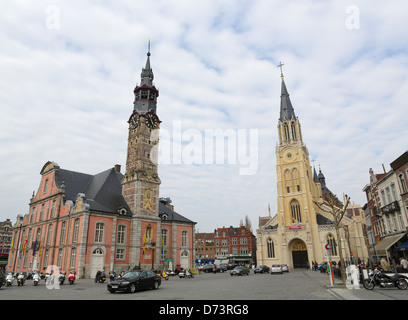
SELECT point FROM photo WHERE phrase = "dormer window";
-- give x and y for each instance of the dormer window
(164, 216)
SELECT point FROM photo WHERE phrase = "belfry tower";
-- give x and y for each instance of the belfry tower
(141, 182)
(140, 186)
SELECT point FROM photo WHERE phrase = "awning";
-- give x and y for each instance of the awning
(382, 247)
(402, 247)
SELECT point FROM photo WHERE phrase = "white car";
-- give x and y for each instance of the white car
(276, 268)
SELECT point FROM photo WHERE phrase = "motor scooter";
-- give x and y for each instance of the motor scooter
(9, 280)
(186, 274)
(164, 275)
(71, 278)
(36, 278)
(20, 279)
(61, 278)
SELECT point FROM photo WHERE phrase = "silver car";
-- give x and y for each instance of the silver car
(276, 268)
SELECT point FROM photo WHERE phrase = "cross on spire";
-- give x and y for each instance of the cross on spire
(280, 65)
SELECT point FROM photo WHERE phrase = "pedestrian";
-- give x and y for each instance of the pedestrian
(404, 263)
(315, 265)
(384, 264)
(312, 265)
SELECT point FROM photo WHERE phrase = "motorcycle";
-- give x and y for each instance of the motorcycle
(20, 279)
(71, 278)
(9, 280)
(36, 279)
(164, 275)
(377, 277)
(186, 274)
(61, 278)
(100, 277)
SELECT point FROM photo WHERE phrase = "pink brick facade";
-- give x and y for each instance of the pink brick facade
(110, 221)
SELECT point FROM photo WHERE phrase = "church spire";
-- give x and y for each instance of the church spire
(147, 73)
(146, 94)
(286, 110)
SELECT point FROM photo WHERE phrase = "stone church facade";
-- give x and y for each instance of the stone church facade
(299, 232)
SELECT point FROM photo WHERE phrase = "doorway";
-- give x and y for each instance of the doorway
(299, 254)
(97, 261)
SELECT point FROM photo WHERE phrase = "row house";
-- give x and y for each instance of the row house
(6, 232)
(386, 210)
(204, 248)
(236, 245)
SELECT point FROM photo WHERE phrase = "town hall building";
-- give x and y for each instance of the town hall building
(109, 221)
(299, 232)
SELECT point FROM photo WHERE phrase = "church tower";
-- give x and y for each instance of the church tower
(296, 188)
(298, 228)
(140, 186)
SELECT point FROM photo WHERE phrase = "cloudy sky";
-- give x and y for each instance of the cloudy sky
(68, 70)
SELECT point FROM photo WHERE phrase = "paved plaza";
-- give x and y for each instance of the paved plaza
(295, 285)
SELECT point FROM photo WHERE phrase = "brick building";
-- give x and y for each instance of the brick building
(237, 245)
(387, 210)
(204, 248)
(110, 220)
(6, 232)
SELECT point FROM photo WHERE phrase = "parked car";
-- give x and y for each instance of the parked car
(135, 280)
(276, 268)
(239, 271)
(285, 268)
(224, 266)
(2, 279)
(261, 269)
(210, 268)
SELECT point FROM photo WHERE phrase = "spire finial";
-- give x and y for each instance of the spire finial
(280, 65)
(148, 47)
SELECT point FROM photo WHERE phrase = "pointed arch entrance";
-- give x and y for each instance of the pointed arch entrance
(299, 253)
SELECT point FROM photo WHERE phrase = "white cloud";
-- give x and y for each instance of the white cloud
(66, 93)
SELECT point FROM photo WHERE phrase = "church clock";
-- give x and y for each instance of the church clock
(151, 120)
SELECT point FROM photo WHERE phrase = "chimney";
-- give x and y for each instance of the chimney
(384, 168)
(117, 168)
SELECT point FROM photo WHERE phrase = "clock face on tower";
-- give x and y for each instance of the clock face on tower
(151, 120)
(134, 122)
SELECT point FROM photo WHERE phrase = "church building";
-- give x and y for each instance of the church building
(110, 220)
(299, 232)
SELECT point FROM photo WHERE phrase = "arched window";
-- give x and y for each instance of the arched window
(293, 131)
(271, 248)
(286, 129)
(295, 179)
(288, 181)
(295, 210)
(332, 242)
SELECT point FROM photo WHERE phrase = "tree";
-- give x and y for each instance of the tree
(247, 224)
(336, 209)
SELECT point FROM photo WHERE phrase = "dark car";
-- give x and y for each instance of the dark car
(261, 269)
(2, 279)
(239, 271)
(210, 268)
(135, 280)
